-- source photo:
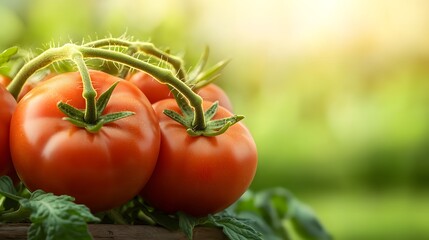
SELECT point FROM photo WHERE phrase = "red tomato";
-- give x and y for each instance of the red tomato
(212, 93)
(32, 84)
(200, 175)
(156, 91)
(25, 89)
(101, 170)
(4, 80)
(7, 107)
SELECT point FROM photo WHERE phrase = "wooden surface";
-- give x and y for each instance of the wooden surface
(121, 232)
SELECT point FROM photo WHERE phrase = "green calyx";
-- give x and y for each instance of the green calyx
(77, 116)
(127, 55)
(212, 127)
(91, 117)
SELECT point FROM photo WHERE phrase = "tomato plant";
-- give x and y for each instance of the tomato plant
(7, 107)
(95, 138)
(200, 175)
(101, 169)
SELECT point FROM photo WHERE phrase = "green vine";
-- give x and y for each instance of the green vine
(109, 49)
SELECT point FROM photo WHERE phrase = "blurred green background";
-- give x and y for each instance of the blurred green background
(336, 93)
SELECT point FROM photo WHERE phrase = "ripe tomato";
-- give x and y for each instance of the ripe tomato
(200, 175)
(153, 90)
(4, 80)
(101, 170)
(32, 84)
(7, 107)
(156, 91)
(212, 93)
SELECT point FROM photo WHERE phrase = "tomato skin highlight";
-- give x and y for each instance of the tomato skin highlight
(200, 175)
(7, 107)
(101, 170)
(156, 91)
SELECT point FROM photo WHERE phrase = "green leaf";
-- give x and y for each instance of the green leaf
(6, 185)
(274, 208)
(274, 204)
(160, 218)
(7, 188)
(261, 226)
(57, 217)
(306, 223)
(7, 54)
(246, 203)
(187, 224)
(235, 229)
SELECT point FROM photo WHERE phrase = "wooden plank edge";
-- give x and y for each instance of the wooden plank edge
(18, 231)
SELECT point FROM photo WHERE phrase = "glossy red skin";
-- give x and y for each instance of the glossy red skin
(101, 170)
(212, 93)
(32, 84)
(7, 107)
(200, 175)
(156, 91)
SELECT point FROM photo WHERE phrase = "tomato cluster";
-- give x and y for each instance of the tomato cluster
(145, 153)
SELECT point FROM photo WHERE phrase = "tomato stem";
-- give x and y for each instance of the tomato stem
(90, 50)
(15, 216)
(146, 47)
(41, 61)
(125, 69)
(88, 93)
(162, 75)
(116, 217)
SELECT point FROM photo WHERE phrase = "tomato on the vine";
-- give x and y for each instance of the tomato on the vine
(101, 170)
(156, 91)
(7, 107)
(200, 175)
